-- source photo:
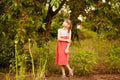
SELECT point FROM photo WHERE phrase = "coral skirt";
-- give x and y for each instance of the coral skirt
(61, 56)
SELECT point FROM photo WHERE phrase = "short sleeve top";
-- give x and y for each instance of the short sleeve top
(63, 32)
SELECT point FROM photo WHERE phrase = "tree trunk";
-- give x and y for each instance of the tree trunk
(48, 21)
(48, 26)
(50, 15)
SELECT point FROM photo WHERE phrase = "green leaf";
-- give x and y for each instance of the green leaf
(3, 34)
(86, 0)
(43, 26)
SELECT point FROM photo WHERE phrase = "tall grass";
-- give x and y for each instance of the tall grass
(20, 64)
(82, 59)
(37, 57)
(42, 62)
(7, 77)
(86, 56)
(32, 60)
(113, 59)
(16, 60)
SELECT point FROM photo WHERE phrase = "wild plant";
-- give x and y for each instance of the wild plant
(113, 59)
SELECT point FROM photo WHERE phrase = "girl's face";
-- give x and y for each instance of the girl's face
(65, 24)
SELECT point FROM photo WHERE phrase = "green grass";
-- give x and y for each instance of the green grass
(87, 56)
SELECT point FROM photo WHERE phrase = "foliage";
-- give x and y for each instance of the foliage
(82, 60)
(24, 19)
(51, 67)
(41, 62)
(77, 7)
(56, 24)
(113, 59)
(21, 20)
(81, 55)
(88, 33)
(18, 22)
(100, 19)
(35, 56)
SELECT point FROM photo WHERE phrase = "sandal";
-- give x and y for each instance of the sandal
(63, 76)
(71, 73)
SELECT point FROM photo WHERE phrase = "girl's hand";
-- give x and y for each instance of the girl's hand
(66, 50)
(69, 41)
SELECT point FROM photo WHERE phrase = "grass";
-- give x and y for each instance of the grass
(32, 60)
(20, 65)
(86, 57)
(96, 48)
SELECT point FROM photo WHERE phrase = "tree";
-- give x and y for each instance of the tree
(22, 19)
(50, 13)
(102, 16)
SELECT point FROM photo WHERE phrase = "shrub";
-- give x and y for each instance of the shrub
(113, 59)
(33, 58)
(88, 33)
(51, 67)
(83, 61)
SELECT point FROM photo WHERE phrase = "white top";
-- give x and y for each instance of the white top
(63, 32)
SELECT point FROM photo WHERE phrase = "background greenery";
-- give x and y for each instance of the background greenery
(28, 31)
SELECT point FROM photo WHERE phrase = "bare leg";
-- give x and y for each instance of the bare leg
(70, 70)
(63, 71)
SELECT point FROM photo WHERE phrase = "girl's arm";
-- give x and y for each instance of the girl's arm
(69, 40)
(59, 38)
(67, 48)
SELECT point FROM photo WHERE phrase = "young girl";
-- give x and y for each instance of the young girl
(63, 44)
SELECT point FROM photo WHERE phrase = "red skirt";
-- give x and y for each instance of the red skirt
(61, 56)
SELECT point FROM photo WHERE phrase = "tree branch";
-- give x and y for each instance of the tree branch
(50, 11)
(58, 9)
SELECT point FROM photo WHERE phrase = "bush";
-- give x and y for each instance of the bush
(51, 67)
(83, 61)
(113, 59)
(88, 33)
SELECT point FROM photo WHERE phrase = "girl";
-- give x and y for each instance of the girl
(64, 40)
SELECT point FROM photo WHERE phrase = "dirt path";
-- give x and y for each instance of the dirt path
(91, 77)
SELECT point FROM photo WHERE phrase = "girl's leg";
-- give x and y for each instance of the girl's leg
(70, 70)
(63, 71)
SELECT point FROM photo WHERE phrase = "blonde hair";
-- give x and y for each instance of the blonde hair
(70, 23)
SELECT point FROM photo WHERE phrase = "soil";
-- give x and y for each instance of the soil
(90, 77)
